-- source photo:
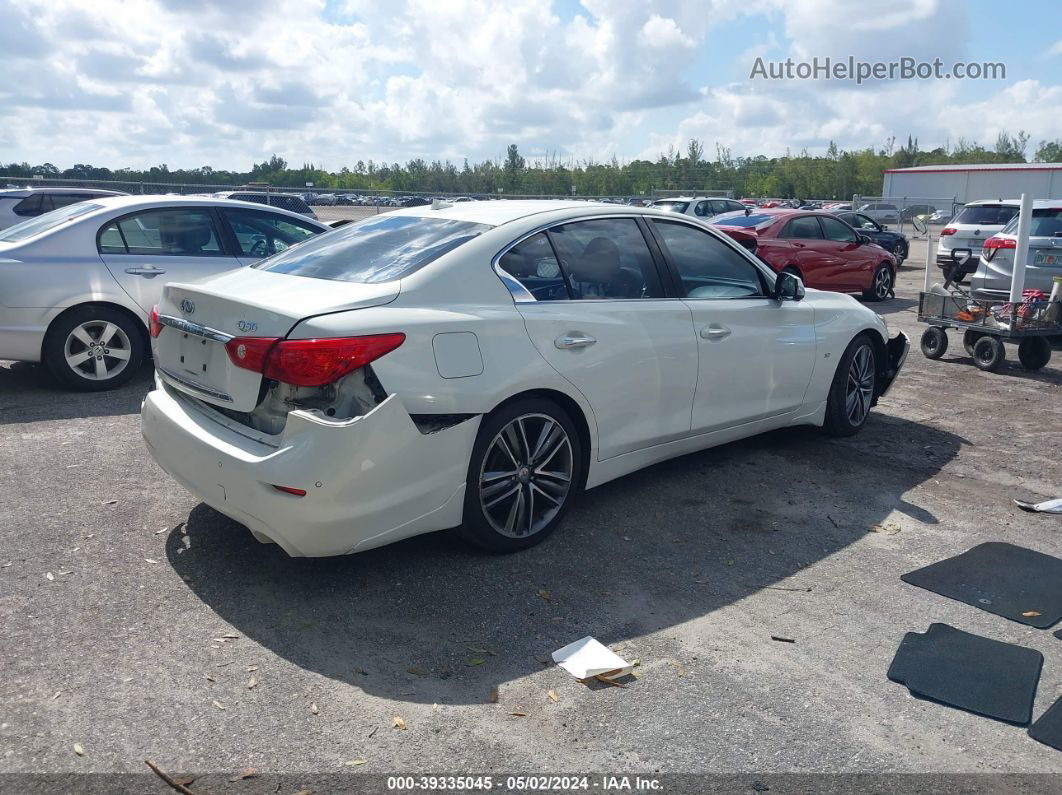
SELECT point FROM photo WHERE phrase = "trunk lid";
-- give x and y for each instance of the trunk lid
(200, 317)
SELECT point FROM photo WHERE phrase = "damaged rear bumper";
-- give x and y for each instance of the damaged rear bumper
(369, 481)
(896, 350)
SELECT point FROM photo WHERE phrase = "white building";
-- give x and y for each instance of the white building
(970, 182)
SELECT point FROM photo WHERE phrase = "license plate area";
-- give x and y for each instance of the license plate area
(1053, 257)
(201, 359)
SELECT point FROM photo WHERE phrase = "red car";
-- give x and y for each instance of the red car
(824, 251)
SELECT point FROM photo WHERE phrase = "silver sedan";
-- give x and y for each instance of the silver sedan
(77, 284)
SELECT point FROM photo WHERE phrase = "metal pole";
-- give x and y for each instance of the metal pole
(1021, 251)
(930, 255)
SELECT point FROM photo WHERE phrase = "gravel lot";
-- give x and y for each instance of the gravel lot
(135, 619)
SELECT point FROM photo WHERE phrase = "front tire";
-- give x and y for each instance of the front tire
(934, 342)
(525, 469)
(989, 354)
(853, 389)
(94, 348)
(900, 253)
(881, 284)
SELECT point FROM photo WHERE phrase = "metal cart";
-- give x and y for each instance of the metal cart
(986, 324)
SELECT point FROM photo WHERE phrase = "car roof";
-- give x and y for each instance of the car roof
(979, 202)
(133, 203)
(503, 211)
(22, 193)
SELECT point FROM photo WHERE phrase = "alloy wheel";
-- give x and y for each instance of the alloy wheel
(882, 283)
(526, 475)
(859, 392)
(97, 350)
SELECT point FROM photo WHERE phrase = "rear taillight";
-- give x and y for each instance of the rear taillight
(154, 324)
(312, 362)
(994, 244)
(948, 230)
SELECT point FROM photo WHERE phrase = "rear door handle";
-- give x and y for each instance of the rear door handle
(566, 343)
(149, 271)
(715, 332)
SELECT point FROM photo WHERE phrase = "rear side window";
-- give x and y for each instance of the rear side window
(606, 258)
(173, 233)
(260, 233)
(708, 267)
(985, 215)
(378, 249)
(673, 206)
(66, 199)
(34, 205)
(703, 208)
(806, 227)
(533, 263)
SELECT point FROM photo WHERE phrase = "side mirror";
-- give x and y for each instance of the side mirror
(788, 287)
(863, 239)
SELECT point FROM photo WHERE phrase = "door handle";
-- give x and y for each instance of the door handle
(149, 271)
(715, 332)
(566, 343)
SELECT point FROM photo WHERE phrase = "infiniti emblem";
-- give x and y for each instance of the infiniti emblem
(187, 306)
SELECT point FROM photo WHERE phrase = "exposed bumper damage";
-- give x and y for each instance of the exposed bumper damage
(369, 480)
(896, 350)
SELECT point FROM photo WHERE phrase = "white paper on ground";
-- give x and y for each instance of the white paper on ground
(588, 658)
(1048, 506)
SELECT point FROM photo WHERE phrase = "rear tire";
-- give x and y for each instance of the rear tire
(934, 342)
(989, 354)
(94, 348)
(853, 389)
(1034, 352)
(525, 470)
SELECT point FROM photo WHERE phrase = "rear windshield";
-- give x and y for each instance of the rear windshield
(45, 222)
(379, 249)
(740, 219)
(675, 207)
(985, 215)
(1046, 222)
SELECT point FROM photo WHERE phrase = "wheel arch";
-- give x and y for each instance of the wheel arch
(881, 357)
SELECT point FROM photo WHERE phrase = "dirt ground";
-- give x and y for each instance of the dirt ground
(140, 624)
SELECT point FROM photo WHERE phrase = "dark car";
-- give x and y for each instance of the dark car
(291, 202)
(820, 248)
(893, 242)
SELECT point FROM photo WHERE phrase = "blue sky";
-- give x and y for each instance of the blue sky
(228, 82)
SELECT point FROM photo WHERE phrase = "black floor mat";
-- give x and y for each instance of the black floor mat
(1059, 634)
(1014, 582)
(1048, 729)
(977, 674)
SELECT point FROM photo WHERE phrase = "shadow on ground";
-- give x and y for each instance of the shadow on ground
(724, 524)
(29, 393)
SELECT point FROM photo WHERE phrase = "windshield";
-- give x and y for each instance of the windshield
(985, 215)
(46, 222)
(740, 219)
(1046, 222)
(673, 206)
(379, 249)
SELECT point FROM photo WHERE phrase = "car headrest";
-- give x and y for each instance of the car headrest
(599, 263)
(181, 236)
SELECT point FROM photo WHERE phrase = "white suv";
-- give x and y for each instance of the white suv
(698, 206)
(967, 232)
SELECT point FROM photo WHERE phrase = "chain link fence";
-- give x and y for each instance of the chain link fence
(915, 216)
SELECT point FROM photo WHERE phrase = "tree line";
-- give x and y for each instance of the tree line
(836, 174)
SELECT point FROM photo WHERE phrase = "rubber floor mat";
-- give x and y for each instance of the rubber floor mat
(977, 674)
(1048, 729)
(1010, 581)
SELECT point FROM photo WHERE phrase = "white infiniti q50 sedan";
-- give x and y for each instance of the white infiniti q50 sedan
(476, 365)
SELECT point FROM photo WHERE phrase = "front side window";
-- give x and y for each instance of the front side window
(707, 266)
(46, 222)
(806, 227)
(533, 263)
(837, 231)
(262, 234)
(170, 233)
(379, 249)
(606, 258)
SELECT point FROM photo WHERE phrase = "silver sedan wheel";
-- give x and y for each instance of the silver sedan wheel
(526, 475)
(97, 350)
(859, 392)
(882, 283)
